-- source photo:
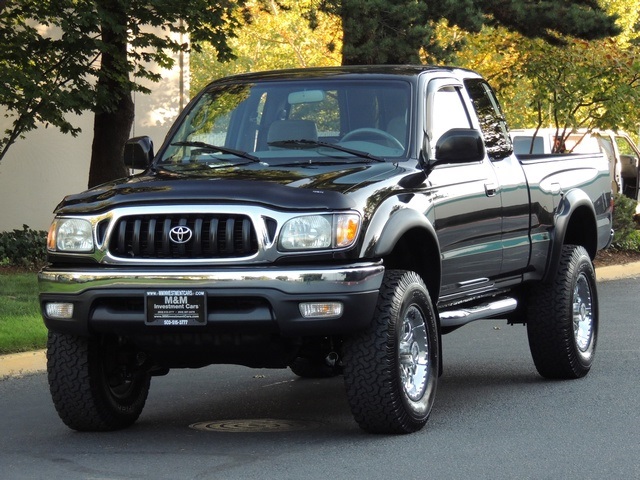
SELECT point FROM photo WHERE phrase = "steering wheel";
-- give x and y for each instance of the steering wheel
(375, 135)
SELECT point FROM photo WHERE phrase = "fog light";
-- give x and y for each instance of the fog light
(59, 310)
(321, 309)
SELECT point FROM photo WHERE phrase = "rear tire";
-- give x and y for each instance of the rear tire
(391, 369)
(90, 390)
(562, 318)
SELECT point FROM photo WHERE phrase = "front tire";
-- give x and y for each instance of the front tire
(90, 389)
(391, 369)
(562, 318)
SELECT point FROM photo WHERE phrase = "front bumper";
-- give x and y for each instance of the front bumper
(247, 299)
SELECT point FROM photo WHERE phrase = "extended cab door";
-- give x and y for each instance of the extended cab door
(514, 191)
(466, 199)
(629, 157)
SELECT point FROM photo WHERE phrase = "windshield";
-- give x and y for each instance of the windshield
(308, 120)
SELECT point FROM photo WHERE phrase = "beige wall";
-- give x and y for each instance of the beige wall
(39, 170)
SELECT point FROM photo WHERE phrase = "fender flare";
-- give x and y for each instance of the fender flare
(380, 241)
(571, 202)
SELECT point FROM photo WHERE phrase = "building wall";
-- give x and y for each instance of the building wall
(39, 170)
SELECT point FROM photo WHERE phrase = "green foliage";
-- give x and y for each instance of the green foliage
(52, 51)
(553, 20)
(273, 34)
(584, 85)
(372, 27)
(24, 248)
(630, 242)
(21, 325)
(626, 236)
(371, 30)
(571, 85)
(36, 66)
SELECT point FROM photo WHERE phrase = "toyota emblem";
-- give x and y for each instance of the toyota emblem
(180, 234)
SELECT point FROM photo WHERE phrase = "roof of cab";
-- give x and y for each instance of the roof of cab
(342, 71)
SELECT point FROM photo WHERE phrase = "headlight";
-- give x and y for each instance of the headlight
(70, 235)
(317, 232)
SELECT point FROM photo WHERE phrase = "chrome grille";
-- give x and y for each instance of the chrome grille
(211, 236)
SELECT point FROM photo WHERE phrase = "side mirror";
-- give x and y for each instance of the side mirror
(459, 145)
(138, 152)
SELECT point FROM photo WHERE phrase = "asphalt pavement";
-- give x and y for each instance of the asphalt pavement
(34, 362)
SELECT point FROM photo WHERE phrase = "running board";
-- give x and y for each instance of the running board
(462, 316)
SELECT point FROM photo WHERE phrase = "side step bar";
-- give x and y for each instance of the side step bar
(492, 309)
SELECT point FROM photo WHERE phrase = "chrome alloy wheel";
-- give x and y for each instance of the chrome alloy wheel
(583, 316)
(413, 354)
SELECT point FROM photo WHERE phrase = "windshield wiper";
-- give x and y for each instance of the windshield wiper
(315, 143)
(217, 148)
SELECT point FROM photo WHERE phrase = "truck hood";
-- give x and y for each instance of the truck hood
(305, 187)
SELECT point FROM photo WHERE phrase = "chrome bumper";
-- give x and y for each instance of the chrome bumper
(96, 294)
(356, 278)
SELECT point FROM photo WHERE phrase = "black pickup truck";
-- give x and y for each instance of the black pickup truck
(333, 221)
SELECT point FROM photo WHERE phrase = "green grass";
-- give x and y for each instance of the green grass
(21, 326)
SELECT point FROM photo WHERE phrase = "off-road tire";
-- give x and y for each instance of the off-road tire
(562, 318)
(391, 369)
(86, 392)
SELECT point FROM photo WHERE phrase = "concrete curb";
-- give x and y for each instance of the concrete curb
(20, 364)
(616, 272)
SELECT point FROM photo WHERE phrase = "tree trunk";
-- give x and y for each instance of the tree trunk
(114, 112)
(110, 132)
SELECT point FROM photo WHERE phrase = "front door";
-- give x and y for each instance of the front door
(466, 199)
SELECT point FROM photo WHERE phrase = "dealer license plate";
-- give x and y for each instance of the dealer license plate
(179, 308)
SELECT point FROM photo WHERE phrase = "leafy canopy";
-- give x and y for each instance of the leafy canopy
(62, 57)
(272, 34)
(576, 84)
(52, 51)
(372, 27)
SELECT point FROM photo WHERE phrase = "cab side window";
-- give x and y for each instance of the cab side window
(625, 147)
(447, 111)
(492, 121)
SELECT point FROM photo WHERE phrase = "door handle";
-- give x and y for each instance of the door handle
(491, 189)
